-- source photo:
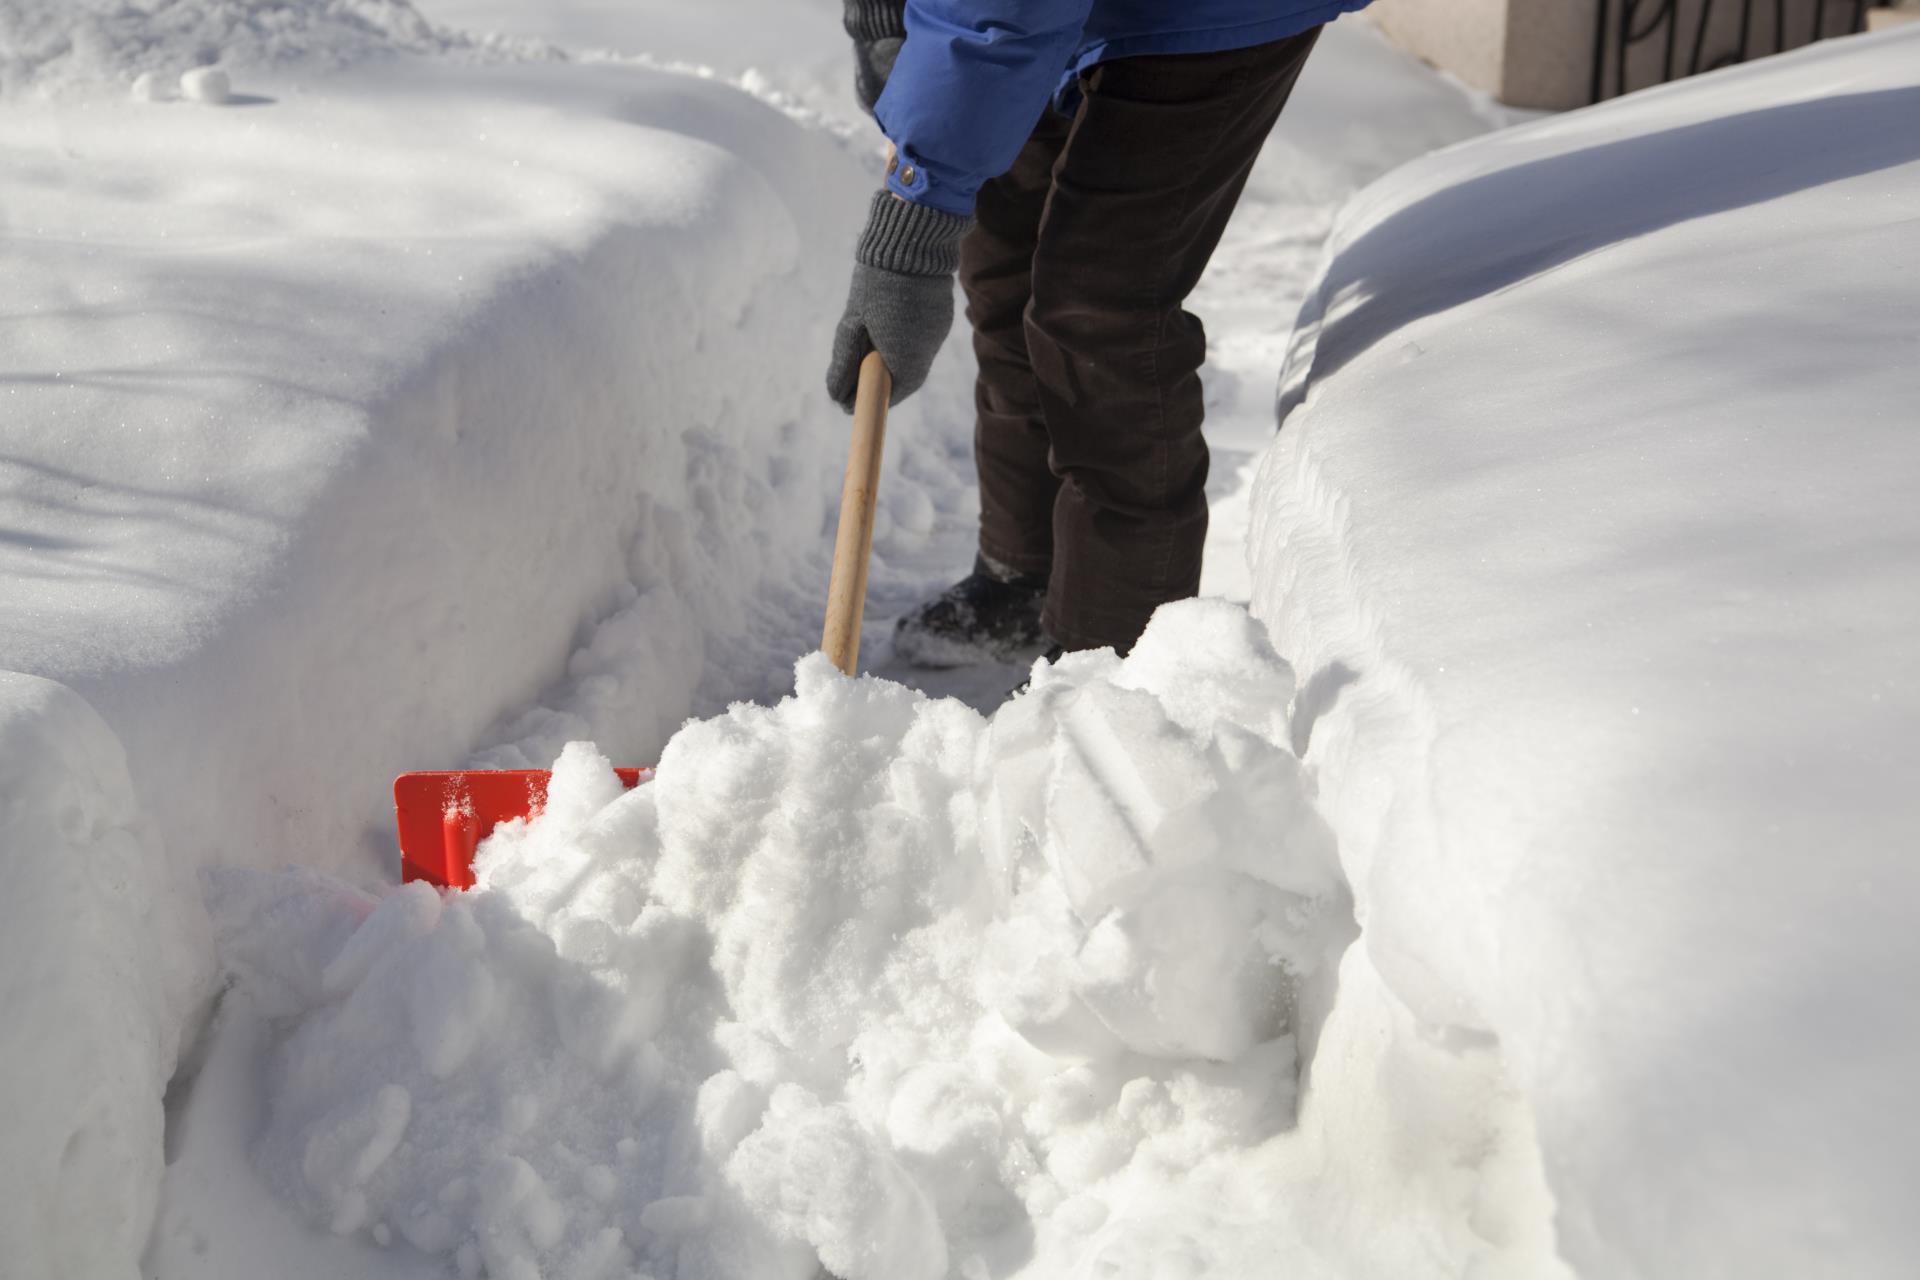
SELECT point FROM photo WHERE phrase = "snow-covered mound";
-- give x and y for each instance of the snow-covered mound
(1592, 532)
(103, 954)
(861, 979)
(64, 47)
(345, 436)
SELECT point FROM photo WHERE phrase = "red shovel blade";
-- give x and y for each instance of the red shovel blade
(444, 816)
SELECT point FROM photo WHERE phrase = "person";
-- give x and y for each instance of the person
(1075, 162)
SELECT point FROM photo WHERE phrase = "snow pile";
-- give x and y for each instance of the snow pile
(860, 980)
(56, 47)
(1592, 533)
(339, 434)
(99, 940)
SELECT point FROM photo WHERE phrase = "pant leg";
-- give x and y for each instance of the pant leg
(1158, 154)
(1017, 488)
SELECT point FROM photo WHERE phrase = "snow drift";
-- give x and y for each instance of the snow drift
(292, 386)
(1591, 531)
(103, 955)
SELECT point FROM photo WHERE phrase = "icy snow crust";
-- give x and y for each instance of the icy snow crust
(1592, 533)
(860, 980)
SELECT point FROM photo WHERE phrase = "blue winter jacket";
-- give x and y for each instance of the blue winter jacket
(974, 75)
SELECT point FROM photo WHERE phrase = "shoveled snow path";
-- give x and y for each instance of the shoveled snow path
(1361, 108)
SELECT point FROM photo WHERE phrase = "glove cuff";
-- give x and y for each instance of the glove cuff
(870, 20)
(911, 239)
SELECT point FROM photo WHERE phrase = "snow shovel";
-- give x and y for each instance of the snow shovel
(443, 817)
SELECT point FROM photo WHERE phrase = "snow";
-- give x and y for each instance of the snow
(795, 47)
(1361, 108)
(448, 394)
(206, 84)
(1592, 521)
(779, 1007)
(103, 961)
(75, 48)
(292, 388)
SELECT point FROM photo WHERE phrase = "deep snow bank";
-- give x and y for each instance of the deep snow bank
(860, 980)
(293, 412)
(343, 428)
(1592, 534)
(102, 957)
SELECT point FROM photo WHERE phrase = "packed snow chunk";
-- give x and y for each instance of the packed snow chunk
(1155, 843)
(818, 1175)
(150, 86)
(102, 962)
(206, 84)
(777, 1009)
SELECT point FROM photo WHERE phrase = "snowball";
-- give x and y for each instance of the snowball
(913, 513)
(206, 84)
(151, 86)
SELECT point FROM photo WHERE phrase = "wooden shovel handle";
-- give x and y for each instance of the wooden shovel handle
(853, 545)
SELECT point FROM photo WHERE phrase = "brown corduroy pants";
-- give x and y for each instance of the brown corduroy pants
(1092, 466)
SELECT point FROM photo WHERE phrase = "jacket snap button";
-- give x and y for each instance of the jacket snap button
(893, 165)
(906, 175)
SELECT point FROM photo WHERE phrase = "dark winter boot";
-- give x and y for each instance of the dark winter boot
(988, 616)
(1052, 655)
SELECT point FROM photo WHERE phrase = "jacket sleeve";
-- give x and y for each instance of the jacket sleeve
(967, 89)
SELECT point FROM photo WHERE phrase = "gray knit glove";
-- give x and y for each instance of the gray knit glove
(878, 28)
(901, 301)
(872, 64)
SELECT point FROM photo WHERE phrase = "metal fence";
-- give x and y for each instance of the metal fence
(1631, 31)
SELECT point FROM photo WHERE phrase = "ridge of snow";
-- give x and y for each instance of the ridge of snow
(104, 957)
(1592, 517)
(289, 419)
(289, 447)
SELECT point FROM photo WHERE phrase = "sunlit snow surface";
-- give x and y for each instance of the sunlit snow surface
(448, 408)
(1592, 534)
